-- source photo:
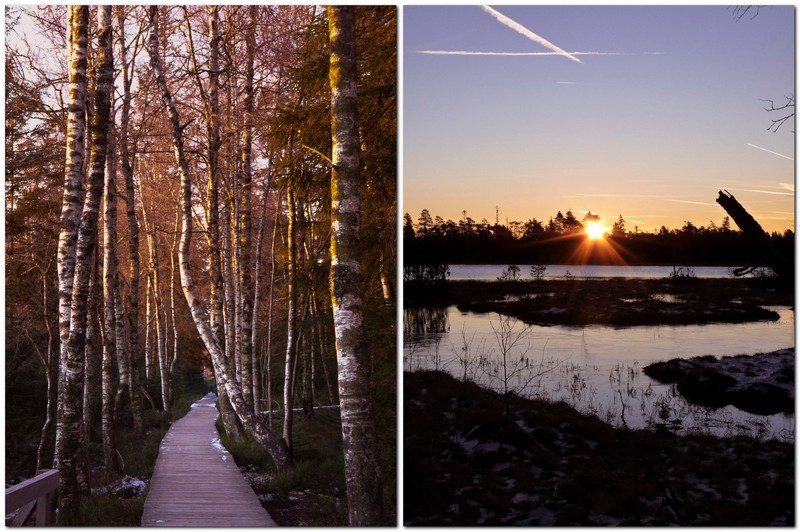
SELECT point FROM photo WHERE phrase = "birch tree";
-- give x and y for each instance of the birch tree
(223, 368)
(71, 394)
(110, 343)
(359, 438)
(78, 40)
(244, 226)
(126, 165)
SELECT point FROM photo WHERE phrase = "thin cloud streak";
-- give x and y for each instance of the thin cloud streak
(610, 195)
(528, 33)
(513, 54)
(770, 151)
(763, 191)
(690, 202)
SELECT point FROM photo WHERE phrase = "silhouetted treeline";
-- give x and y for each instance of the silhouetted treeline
(562, 240)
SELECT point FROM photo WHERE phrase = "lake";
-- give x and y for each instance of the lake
(490, 272)
(597, 369)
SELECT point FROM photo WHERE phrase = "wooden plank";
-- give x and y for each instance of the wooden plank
(196, 482)
(31, 489)
(23, 514)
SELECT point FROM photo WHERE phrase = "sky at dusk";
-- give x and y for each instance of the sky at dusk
(663, 114)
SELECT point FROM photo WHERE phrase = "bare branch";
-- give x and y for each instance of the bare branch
(788, 112)
(739, 12)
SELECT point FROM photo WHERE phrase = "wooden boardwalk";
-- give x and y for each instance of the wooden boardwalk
(196, 482)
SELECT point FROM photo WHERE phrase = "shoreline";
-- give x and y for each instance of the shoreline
(475, 456)
(617, 302)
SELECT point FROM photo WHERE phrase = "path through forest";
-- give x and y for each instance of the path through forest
(196, 482)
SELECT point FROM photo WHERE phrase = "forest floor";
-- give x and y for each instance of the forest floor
(615, 302)
(313, 494)
(477, 457)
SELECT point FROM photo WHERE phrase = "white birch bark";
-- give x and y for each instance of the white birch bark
(359, 438)
(110, 341)
(291, 319)
(148, 344)
(133, 229)
(72, 202)
(244, 226)
(71, 396)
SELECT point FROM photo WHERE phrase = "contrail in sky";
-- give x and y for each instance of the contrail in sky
(765, 191)
(770, 151)
(528, 33)
(690, 202)
(464, 52)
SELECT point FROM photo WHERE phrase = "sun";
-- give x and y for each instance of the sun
(595, 230)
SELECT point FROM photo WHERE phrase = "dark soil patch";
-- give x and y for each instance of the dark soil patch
(546, 464)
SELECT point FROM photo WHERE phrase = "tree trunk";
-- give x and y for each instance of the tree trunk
(163, 368)
(155, 309)
(359, 438)
(90, 352)
(148, 318)
(269, 311)
(133, 231)
(71, 396)
(172, 281)
(244, 226)
(222, 367)
(212, 207)
(78, 36)
(51, 374)
(291, 320)
(109, 318)
(256, 301)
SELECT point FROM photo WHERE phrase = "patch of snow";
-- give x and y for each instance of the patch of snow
(541, 516)
(741, 487)
(215, 443)
(453, 508)
(501, 467)
(297, 495)
(519, 498)
(604, 520)
(469, 445)
(488, 446)
(485, 515)
(129, 487)
(523, 426)
(563, 444)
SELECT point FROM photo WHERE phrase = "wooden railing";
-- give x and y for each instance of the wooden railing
(33, 494)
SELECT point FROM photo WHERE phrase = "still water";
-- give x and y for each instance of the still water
(490, 272)
(597, 369)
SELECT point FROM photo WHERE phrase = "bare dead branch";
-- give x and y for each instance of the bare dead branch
(787, 112)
